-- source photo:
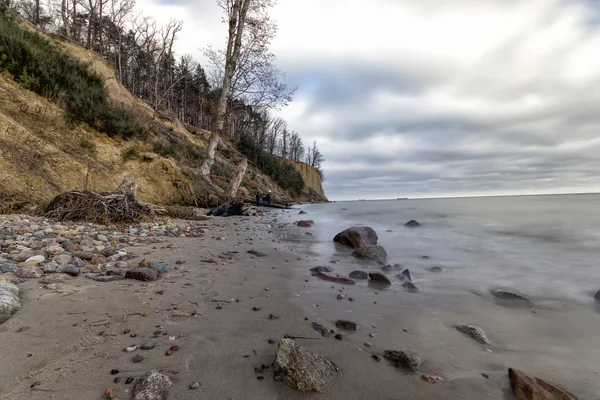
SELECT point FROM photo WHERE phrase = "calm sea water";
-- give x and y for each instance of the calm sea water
(547, 247)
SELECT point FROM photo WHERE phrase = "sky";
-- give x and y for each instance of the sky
(434, 98)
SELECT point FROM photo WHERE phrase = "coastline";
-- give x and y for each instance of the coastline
(76, 336)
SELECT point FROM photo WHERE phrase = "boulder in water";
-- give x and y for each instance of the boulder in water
(357, 236)
(305, 223)
(412, 224)
(511, 296)
(528, 387)
(405, 276)
(319, 269)
(370, 252)
(335, 278)
(9, 300)
(474, 332)
(301, 369)
(380, 278)
(359, 275)
(410, 286)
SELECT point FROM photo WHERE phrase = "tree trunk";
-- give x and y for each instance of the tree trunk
(237, 19)
(36, 15)
(65, 19)
(236, 181)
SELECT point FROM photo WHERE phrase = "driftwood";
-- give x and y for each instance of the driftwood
(121, 205)
(233, 198)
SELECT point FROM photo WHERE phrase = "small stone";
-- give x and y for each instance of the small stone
(273, 316)
(340, 297)
(402, 359)
(128, 380)
(219, 307)
(130, 349)
(151, 386)
(174, 348)
(433, 379)
(194, 385)
(256, 253)
(359, 275)
(137, 358)
(319, 269)
(256, 308)
(260, 377)
(29, 272)
(486, 376)
(148, 346)
(109, 395)
(474, 332)
(380, 278)
(271, 341)
(347, 325)
(410, 287)
(117, 379)
(320, 328)
(71, 270)
(370, 252)
(143, 274)
(144, 263)
(350, 299)
(412, 224)
(367, 344)
(114, 371)
(376, 357)
(339, 336)
(168, 352)
(405, 276)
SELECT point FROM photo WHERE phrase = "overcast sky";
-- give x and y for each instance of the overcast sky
(427, 98)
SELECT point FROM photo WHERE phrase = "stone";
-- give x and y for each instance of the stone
(433, 379)
(26, 264)
(8, 266)
(144, 263)
(137, 358)
(410, 286)
(597, 296)
(54, 250)
(370, 252)
(526, 387)
(98, 260)
(318, 269)
(359, 275)
(194, 385)
(305, 224)
(151, 386)
(83, 255)
(380, 278)
(160, 268)
(347, 325)
(29, 272)
(302, 212)
(63, 259)
(412, 224)
(38, 258)
(130, 349)
(474, 332)
(71, 270)
(77, 262)
(512, 296)
(148, 346)
(386, 268)
(23, 255)
(55, 278)
(321, 329)
(9, 300)
(108, 394)
(357, 236)
(301, 369)
(435, 269)
(339, 336)
(402, 359)
(256, 253)
(273, 316)
(335, 278)
(143, 274)
(405, 276)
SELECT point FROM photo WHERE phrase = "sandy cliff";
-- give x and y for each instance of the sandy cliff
(312, 180)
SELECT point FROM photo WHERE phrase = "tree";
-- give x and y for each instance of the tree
(237, 12)
(314, 158)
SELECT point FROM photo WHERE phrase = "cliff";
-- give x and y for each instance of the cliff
(43, 153)
(312, 180)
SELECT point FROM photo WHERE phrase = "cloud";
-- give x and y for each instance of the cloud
(430, 98)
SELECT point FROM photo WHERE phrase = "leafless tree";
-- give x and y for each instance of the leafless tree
(120, 13)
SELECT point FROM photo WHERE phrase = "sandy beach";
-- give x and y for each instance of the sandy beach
(218, 316)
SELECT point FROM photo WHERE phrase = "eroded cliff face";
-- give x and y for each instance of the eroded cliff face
(312, 180)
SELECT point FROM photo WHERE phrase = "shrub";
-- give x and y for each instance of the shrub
(130, 154)
(40, 67)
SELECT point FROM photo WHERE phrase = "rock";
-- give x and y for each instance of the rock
(144, 263)
(8, 266)
(130, 349)
(305, 224)
(433, 379)
(108, 394)
(370, 252)
(63, 259)
(339, 336)
(71, 270)
(321, 329)
(256, 253)
(386, 268)
(526, 387)
(29, 272)
(26, 264)
(97, 260)
(83, 255)
(152, 386)
(412, 224)
(77, 262)
(359, 275)
(9, 300)
(148, 346)
(335, 278)
(194, 385)
(23, 255)
(55, 278)
(435, 269)
(160, 268)
(402, 359)
(54, 250)
(357, 236)
(405, 276)
(273, 316)
(137, 358)
(38, 259)
(318, 269)
(411, 287)
(347, 325)
(301, 369)
(104, 278)
(378, 277)
(474, 332)
(597, 296)
(256, 308)
(302, 212)
(512, 296)
(143, 274)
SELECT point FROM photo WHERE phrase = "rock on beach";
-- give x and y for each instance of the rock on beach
(9, 300)
(357, 236)
(370, 252)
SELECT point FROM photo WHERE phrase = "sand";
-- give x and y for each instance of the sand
(76, 336)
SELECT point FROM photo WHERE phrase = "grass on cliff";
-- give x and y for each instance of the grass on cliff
(40, 67)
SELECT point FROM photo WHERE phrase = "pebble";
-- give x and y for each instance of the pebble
(117, 380)
(376, 357)
(108, 394)
(194, 385)
(128, 380)
(148, 346)
(168, 352)
(256, 308)
(137, 358)
(367, 344)
(339, 336)
(273, 316)
(271, 341)
(114, 371)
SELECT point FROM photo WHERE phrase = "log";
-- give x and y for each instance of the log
(231, 193)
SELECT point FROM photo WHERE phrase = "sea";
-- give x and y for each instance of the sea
(545, 247)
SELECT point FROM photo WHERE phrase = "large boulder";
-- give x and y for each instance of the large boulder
(9, 300)
(370, 252)
(151, 386)
(301, 369)
(357, 236)
(527, 387)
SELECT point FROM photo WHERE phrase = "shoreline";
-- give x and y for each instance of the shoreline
(76, 333)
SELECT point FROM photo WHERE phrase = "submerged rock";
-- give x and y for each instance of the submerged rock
(359, 275)
(474, 332)
(402, 359)
(597, 296)
(370, 252)
(526, 387)
(378, 277)
(151, 386)
(302, 212)
(509, 295)
(335, 278)
(357, 236)
(412, 224)
(9, 300)
(305, 224)
(301, 369)
(316, 270)
(256, 253)
(411, 287)
(143, 274)
(405, 276)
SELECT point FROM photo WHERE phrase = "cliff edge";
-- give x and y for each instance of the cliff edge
(312, 180)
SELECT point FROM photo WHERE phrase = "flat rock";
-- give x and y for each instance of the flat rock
(29, 272)
(357, 236)
(305, 223)
(402, 359)
(316, 270)
(151, 386)
(321, 329)
(359, 275)
(143, 274)
(412, 224)
(301, 369)
(512, 296)
(335, 278)
(256, 253)
(71, 270)
(9, 300)
(347, 325)
(370, 252)
(526, 387)
(474, 332)
(55, 278)
(378, 277)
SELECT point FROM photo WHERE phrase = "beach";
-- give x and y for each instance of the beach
(226, 310)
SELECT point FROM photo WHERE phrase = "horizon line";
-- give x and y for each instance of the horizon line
(471, 196)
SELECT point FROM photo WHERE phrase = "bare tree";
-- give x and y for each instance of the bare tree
(314, 158)
(237, 12)
(120, 13)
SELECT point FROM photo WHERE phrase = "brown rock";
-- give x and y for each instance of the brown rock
(357, 236)
(432, 379)
(347, 325)
(305, 224)
(145, 263)
(335, 278)
(98, 260)
(29, 272)
(143, 274)
(527, 387)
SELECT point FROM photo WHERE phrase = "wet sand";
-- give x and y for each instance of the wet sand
(76, 336)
